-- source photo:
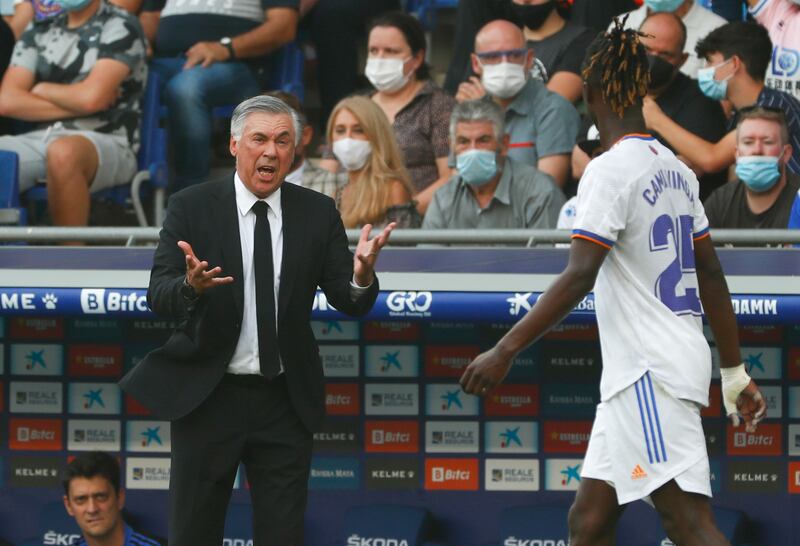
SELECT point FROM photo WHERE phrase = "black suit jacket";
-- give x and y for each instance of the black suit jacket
(175, 378)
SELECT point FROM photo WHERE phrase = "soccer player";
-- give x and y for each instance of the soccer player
(641, 239)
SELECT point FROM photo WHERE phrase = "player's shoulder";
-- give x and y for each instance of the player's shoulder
(626, 161)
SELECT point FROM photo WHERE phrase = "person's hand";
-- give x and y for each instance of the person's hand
(750, 404)
(205, 54)
(40, 89)
(197, 274)
(470, 90)
(485, 372)
(367, 252)
(652, 112)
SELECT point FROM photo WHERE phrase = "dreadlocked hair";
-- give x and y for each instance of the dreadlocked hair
(616, 63)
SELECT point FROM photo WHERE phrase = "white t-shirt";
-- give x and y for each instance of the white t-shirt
(699, 22)
(642, 203)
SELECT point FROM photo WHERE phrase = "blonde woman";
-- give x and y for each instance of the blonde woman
(376, 189)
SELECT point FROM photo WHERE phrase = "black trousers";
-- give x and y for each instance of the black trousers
(247, 419)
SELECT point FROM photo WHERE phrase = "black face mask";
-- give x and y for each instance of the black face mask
(533, 16)
(661, 72)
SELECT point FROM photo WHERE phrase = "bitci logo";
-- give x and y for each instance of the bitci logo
(392, 436)
(766, 440)
(35, 434)
(342, 399)
(451, 474)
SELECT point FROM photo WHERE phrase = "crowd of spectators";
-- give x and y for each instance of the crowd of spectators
(502, 143)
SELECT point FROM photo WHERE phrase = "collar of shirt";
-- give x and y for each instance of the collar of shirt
(525, 102)
(296, 176)
(502, 192)
(245, 198)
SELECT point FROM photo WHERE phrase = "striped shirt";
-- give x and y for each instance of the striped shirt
(132, 538)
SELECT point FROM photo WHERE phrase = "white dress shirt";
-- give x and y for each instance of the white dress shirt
(245, 358)
(296, 176)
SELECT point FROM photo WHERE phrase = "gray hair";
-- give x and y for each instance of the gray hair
(267, 105)
(478, 110)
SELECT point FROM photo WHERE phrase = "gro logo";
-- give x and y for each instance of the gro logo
(409, 302)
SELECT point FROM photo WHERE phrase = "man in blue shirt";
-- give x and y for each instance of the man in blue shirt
(92, 495)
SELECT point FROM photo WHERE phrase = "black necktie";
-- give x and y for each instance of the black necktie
(265, 293)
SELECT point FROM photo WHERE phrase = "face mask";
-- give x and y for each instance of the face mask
(663, 5)
(758, 172)
(661, 72)
(503, 80)
(72, 5)
(711, 88)
(352, 153)
(476, 167)
(533, 16)
(386, 74)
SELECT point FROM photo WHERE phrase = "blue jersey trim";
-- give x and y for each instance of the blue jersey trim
(583, 234)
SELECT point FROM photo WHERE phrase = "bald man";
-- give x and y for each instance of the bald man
(541, 125)
(677, 94)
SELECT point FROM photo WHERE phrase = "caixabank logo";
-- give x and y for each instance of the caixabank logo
(574, 400)
(37, 359)
(35, 434)
(448, 360)
(335, 330)
(511, 437)
(391, 436)
(94, 360)
(34, 471)
(391, 361)
(338, 436)
(513, 400)
(766, 440)
(35, 397)
(95, 398)
(451, 437)
(342, 399)
(101, 301)
(391, 399)
(511, 475)
(760, 362)
(339, 360)
(391, 330)
(451, 474)
(566, 436)
(450, 401)
(392, 473)
(562, 474)
(334, 473)
(745, 476)
(93, 435)
(147, 473)
(36, 328)
(148, 437)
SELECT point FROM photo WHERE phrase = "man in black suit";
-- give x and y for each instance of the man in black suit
(237, 260)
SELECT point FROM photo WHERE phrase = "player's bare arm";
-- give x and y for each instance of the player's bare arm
(490, 368)
(740, 393)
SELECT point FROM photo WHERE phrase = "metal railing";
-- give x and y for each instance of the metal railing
(133, 236)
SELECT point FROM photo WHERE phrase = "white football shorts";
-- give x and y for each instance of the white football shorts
(642, 438)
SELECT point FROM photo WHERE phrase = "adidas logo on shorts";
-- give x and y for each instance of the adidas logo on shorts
(638, 473)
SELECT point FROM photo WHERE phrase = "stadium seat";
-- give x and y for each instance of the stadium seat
(10, 211)
(535, 523)
(401, 523)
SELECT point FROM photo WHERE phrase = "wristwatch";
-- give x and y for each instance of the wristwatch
(228, 43)
(188, 292)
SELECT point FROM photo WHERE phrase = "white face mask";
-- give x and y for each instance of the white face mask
(352, 153)
(386, 74)
(503, 80)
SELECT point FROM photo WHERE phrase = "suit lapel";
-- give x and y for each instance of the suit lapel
(293, 239)
(231, 244)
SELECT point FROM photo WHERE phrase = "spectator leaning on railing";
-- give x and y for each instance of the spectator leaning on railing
(782, 20)
(491, 190)
(542, 125)
(764, 190)
(210, 54)
(737, 55)
(80, 76)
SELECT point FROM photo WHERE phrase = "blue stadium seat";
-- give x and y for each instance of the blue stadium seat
(535, 522)
(10, 211)
(425, 10)
(401, 523)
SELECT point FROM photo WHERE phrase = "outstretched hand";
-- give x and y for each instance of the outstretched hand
(197, 273)
(367, 252)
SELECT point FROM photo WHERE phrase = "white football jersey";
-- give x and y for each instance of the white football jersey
(638, 200)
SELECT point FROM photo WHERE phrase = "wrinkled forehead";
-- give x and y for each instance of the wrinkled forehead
(474, 129)
(759, 128)
(268, 124)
